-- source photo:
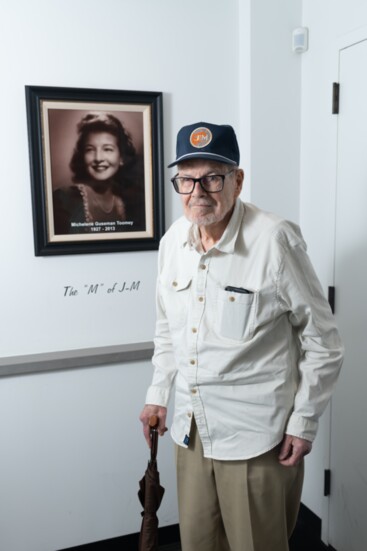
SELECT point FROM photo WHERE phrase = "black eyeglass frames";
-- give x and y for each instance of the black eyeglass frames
(212, 183)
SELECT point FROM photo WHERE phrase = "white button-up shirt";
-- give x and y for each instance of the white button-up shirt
(252, 365)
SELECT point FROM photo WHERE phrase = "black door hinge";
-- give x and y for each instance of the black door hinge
(336, 96)
(327, 482)
(331, 298)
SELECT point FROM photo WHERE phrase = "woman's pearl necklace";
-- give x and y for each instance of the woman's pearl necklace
(89, 198)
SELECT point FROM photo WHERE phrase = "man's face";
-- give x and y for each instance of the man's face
(204, 208)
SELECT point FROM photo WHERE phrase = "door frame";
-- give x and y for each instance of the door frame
(342, 42)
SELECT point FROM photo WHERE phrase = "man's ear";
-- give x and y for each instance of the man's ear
(240, 176)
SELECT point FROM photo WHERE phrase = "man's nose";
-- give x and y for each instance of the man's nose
(198, 190)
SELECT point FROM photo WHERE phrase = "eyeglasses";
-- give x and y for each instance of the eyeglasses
(213, 183)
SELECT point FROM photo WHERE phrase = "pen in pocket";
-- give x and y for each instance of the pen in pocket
(237, 290)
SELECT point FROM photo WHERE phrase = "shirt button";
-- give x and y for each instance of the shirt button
(201, 299)
(202, 266)
(193, 391)
(194, 330)
(232, 299)
(174, 283)
(192, 362)
(189, 415)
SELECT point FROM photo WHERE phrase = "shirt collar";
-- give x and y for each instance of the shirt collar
(228, 240)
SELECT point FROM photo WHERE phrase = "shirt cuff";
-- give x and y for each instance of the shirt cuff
(157, 396)
(302, 427)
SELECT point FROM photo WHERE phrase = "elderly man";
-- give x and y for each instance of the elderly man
(246, 337)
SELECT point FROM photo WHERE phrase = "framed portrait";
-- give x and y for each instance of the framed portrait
(96, 159)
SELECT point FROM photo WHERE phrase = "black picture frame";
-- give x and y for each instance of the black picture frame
(135, 221)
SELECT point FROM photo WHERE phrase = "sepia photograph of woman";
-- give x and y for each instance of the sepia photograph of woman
(107, 177)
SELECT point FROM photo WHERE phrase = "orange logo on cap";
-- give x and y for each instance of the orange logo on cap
(200, 137)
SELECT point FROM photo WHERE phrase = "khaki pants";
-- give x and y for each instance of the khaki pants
(249, 505)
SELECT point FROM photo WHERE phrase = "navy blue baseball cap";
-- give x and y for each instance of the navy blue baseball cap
(204, 140)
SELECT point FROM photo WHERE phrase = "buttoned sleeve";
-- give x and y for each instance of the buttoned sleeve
(320, 347)
(163, 359)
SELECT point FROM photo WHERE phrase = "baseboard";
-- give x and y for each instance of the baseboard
(307, 535)
(167, 535)
(309, 520)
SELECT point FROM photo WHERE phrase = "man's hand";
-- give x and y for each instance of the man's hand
(146, 414)
(293, 449)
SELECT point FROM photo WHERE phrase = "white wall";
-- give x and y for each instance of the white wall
(70, 476)
(71, 449)
(328, 23)
(271, 131)
(71, 458)
(123, 45)
(275, 84)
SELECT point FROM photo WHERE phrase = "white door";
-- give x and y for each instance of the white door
(348, 459)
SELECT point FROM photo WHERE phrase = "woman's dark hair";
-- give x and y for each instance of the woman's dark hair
(101, 122)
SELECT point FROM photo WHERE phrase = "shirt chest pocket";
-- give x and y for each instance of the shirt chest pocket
(236, 314)
(175, 294)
